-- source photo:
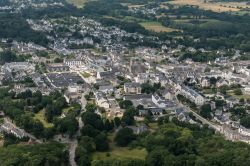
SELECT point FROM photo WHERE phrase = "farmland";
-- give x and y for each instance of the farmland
(214, 6)
(77, 3)
(156, 27)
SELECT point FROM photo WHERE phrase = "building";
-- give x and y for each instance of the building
(105, 74)
(244, 131)
(132, 88)
(73, 62)
(108, 89)
(18, 70)
(101, 100)
(57, 67)
(161, 102)
(205, 83)
(192, 95)
(9, 128)
(167, 95)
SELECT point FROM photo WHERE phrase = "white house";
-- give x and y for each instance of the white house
(192, 95)
(101, 100)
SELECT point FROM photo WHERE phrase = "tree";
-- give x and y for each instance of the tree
(87, 143)
(101, 142)
(89, 130)
(82, 156)
(125, 104)
(128, 116)
(90, 107)
(117, 122)
(159, 157)
(148, 88)
(238, 92)
(68, 125)
(58, 60)
(7, 56)
(124, 136)
(245, 121)
(38, 154)
(213, 81)
(92, 119)
(205, 111)
(223, 89)
(108, 125)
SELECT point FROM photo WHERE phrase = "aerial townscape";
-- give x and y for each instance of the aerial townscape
(124, 82)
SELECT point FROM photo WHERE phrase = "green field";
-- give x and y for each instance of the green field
(156, 27)
(244, 96)
(120, 152)
(41, 117)
(77, 3)
(85, 75)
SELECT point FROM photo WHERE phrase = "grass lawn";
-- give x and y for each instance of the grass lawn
(208, 91)
(133, 19)
(41, 117)
(120, 152)
(66, 110)
(1, 140)
(153, 126)
(85, 75)
(156, 27)
(244, 96)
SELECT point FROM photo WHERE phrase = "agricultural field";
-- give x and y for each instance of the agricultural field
(77, 3)
(214, 6)
(156, 27)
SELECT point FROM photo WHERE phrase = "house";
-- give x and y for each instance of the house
(182, 115)
(160, 102)
(19, 70)
(143, 112)
(73, 62)
(167, 94)
(9, 128)
(1, 114)
(223, 118)
(101, 100)
(205, 83)
(246, 89)
(57, 67)
(231, 101)
(139, 129)
(73, 93)
(136, 66)
(213, 105)
(105, 74)
(108, 89)
(244, 131)
(132, 88)
(221, 60)
(222, 82)
(75, 88)
(141, 99)
(177, 111)
(192, 95)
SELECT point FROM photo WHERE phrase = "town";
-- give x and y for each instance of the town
(91, 77)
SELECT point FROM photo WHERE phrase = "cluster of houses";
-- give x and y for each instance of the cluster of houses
(113, 72)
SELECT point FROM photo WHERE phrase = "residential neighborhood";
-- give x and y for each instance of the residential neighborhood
(124, 83)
